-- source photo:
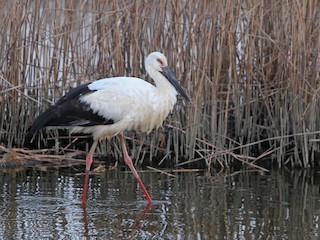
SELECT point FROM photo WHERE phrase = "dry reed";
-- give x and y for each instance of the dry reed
(251, 68)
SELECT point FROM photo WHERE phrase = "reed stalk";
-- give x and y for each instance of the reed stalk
(251, 68)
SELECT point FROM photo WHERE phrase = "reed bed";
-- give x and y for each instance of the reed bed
(251, 68)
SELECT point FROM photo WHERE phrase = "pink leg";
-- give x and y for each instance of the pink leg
(128, 161)
(89, 160)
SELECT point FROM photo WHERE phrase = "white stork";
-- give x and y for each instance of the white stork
(109, 106)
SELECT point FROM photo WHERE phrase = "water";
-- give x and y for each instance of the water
(46, 204)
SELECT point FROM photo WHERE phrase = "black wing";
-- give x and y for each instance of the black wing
(68, 111)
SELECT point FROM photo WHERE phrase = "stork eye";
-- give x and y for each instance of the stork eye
(159, 61)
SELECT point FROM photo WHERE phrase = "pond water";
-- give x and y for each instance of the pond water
(46, 204)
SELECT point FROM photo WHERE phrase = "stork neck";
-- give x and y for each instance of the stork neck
(162, 83)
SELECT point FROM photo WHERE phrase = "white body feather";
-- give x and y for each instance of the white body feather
(132, 103)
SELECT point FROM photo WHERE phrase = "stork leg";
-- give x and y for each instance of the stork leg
(89, 160)
(128, 161)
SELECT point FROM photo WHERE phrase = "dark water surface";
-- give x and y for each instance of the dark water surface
(46, 204)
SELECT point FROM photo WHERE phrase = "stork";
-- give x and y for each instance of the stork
(110, 106)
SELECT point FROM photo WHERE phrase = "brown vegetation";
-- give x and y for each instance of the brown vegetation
(251, 68)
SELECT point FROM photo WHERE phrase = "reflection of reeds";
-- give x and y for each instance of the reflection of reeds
(251, 67)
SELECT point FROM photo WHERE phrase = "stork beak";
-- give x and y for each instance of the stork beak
(168, 73)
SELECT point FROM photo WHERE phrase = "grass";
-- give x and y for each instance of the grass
(251, 68)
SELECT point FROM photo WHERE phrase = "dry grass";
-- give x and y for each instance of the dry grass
(251, 68)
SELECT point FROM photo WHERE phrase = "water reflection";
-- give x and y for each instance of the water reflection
(47, 204)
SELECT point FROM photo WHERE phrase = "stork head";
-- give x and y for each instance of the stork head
(156, 61)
